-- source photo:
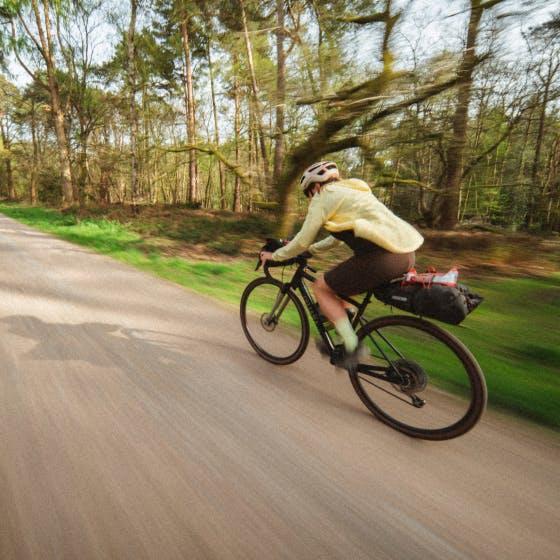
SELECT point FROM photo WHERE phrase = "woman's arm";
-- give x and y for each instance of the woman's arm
(309, 230)
(328, 243)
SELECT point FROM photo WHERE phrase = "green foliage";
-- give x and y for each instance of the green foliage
(333, 88)
(50, 187)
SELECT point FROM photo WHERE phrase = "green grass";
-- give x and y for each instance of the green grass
(516, 339)
(514, 334)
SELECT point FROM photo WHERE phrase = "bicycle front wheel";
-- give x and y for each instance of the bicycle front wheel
(419, 379)
(274, 321)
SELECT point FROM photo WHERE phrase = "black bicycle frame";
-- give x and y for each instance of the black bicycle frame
(297, 283)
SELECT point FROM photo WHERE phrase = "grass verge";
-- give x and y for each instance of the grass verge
(514, 334)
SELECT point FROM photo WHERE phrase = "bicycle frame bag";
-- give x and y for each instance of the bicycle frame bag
(443, 302)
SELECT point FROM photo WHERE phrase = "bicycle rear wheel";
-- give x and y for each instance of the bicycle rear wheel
(274, 321)
(419, 379)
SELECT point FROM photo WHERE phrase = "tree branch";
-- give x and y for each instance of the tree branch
(407, 182)
(33, 75)
(469, 167)
(237, 169)
(363, 20)
(30, 35)
(489, 4)
(428, 92)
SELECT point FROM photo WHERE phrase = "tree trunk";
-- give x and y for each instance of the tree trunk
(5, 144)
(83, 164)
(251, 154)
(449, 208)
(191, 119)
(56, 106)
(535, 199)
(146, 143)
(216, 129)
(236, 205)
(10, 179)
(549, 182)
(280, 93)
(255, 89)
(321, 112)
(517, 206)
(131, 55)
(35, 159)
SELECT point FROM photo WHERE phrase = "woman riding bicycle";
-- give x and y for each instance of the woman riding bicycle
(383, 244)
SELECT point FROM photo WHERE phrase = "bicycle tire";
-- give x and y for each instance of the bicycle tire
(478, 392)
(304, 323)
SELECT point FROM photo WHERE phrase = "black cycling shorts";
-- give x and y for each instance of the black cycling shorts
(366, 271)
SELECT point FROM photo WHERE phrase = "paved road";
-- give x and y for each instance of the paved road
(136, 422)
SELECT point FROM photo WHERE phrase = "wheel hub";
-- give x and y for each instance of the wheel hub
(412, 378)
(268, 323)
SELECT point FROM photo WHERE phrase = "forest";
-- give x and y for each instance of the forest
(449, 110)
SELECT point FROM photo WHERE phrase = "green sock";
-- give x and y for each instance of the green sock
(349, 338)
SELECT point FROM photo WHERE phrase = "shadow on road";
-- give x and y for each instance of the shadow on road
(103, 344)
(151, 354)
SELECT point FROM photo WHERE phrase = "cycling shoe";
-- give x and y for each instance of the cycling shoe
(350, 360)
(340, 358)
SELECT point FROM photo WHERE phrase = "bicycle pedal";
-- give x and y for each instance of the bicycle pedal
(337, 355)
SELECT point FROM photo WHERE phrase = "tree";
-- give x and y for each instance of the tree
(449, 208)
(280, 93)
(361, 103)
(8, 99)
(32, 28)
(546, 69)
(131, 75)
(176, 28)
(255, 90)
(198, 98)
(75, 30)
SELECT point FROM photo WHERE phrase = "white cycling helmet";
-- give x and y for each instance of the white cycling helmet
(319, 173)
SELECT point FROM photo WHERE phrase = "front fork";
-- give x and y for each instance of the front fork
(282, 299)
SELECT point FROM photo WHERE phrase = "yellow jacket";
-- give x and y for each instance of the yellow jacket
(349, 204)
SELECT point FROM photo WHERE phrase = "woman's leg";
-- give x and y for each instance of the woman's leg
(356, 275)
(334, 309)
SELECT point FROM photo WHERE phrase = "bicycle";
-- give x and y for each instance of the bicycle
(418, 378)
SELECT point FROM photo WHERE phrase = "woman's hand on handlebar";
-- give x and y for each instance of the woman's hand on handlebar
(265, 256)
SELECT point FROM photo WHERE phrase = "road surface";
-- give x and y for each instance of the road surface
(136, 422)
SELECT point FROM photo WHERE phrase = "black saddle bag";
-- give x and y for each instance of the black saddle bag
(436, 301)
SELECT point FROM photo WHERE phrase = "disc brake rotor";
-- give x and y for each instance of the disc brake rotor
(413, 378)
(268, 323)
